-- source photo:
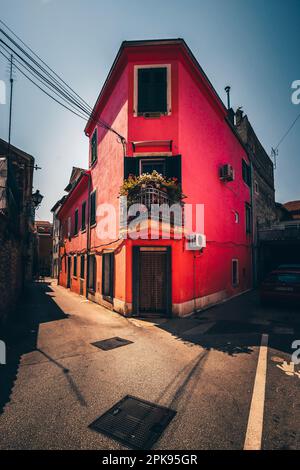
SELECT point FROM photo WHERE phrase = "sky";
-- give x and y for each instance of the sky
(252, 45)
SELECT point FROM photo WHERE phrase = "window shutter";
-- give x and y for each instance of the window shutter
(131, 166)
(93, 208)
(173, 167)
(152, 90)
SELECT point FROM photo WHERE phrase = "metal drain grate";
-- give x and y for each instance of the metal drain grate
(135, 423)
(111, 343)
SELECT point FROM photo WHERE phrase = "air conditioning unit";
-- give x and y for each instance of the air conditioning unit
(226, 173)
(195, 241)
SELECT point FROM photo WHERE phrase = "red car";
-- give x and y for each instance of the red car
(281, 285)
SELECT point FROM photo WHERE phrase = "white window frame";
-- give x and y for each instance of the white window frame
(256, 187)
(236, 217)
(135, 86)
(236, 284)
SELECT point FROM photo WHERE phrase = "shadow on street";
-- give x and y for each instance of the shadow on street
(21, 333)
(236, 326)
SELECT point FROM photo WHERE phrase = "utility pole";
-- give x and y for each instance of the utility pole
(10, 102)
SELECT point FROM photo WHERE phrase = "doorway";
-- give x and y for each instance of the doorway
(152, 281)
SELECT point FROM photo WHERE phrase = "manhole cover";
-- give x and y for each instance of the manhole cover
(135, 423)
(111, 343)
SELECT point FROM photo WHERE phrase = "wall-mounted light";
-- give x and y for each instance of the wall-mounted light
(37, 198)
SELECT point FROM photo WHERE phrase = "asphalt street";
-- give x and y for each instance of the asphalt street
(205, 367)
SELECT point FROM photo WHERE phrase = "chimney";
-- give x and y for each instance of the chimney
(238, 116)
(230, 113)
(227, 89)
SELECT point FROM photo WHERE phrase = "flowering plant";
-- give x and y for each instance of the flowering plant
(132, 186)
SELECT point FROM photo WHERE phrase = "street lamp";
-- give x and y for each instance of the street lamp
(37, 199)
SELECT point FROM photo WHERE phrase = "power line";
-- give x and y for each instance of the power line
(287, 132)
(44, 91)
(57, 85)
(37, 78)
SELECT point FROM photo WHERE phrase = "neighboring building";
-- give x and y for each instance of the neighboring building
(56, 238)
(293, 208)
(262, 178)
(259, 176)
(159, 99)
(16, 225)
(75, 175)
(43, 231)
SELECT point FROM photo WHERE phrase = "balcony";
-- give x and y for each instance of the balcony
(151, 196)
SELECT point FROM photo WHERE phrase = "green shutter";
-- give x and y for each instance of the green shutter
(131, 166)
(173, 167)
(152, 90)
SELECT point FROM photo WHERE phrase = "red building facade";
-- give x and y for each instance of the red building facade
(168, 117)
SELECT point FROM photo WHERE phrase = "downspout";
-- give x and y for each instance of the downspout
(88, 237)
(253, 227)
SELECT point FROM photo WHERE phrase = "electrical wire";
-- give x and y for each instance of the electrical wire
(44, 91)
(287, 132)
(54, 81)
(40, 80)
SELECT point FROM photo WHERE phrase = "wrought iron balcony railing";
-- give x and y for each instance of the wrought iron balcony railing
(157, 205)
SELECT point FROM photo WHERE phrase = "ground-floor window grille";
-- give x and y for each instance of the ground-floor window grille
(108, 276)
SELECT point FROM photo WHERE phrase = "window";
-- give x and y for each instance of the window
(148, 166)
(236, 217)
(76, 222)
(92, 266)
(246, 172)
(152, 90)
(93, 208)
(256, 189)
(235, 272)
(248, 218)
(83, 213)
(75, 266)
(94, 147)
(169, 166)
(82, 266)
(69, 227)
(108, 276)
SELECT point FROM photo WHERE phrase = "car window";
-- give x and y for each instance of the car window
(289, 278)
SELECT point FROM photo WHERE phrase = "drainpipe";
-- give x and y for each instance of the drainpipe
(88, 237)
(253, 227)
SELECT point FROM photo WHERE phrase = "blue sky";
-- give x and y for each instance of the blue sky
(252, 45)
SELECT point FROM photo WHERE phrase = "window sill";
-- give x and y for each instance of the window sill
(93, 225)
(153, 114)
(83, 230)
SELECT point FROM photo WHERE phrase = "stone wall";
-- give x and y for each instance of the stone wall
(11, 275)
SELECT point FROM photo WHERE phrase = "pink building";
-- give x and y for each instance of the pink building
(168, 118)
